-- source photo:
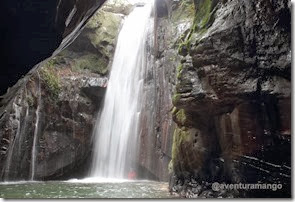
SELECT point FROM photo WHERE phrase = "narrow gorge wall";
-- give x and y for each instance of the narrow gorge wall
(171, 21)
(217, 103)
(232, 98)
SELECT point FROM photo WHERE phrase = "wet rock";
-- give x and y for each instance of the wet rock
(68, 94)
(157, 124)
(231, 85)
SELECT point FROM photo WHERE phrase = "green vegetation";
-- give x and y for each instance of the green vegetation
(201, 22)
(101, 31)
(181, 116)
(180, 136)
(175, 99)
(170, 167)
(174, 110)
(91, 62)
(51, 80)
(179, 69)
(203, 15)
(105, 29)
(53, 62)
(185, 10)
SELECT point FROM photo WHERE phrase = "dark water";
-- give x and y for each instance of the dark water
(85, 189)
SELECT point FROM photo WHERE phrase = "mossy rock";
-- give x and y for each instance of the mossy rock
(183, 10)
(181, 116)
(55, 61)
(202, 20)
(92, 63)
(179, 71)
(51, 80)
(118, 6)
(175, 99)
(203, 14)
(170, 167)
(103, 30)
(181, 136)
(187, 154)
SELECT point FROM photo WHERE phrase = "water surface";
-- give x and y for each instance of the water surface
(85, 189)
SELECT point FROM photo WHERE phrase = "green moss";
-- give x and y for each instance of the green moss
(55, 61)
(91, 62)
(181, 116)
(180, 136)
(105, 26)
(51, 81)
(174, 110)
(170, 167)
(179, 69)
(201, 21)
(185, 10)
(175, 145)
(176, 98)
(203, 14)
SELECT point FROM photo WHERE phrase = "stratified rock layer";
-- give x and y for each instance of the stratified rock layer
(232, 99)
(157, 125)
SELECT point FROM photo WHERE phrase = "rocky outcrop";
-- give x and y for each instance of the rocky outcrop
(53, 115)
(48, 116)
(33, 30)
(171, 22)
(232, 99)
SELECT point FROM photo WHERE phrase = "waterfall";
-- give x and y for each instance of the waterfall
(33, 158)
(116, 130)
(7, 168)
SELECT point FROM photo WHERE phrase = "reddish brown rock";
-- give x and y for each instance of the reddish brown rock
(233, 85)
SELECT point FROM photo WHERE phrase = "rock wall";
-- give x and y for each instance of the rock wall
(34, 29)
(219, 80)
(232, 99)
(52, 110)
(171, 20)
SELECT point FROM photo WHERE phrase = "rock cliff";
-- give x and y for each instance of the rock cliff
(216, 106)
(171, 21)
(232, 99)
(33, 30)
(47, 117)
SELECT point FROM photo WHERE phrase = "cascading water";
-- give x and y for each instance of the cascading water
(33, 158)
(9, 160)
(116, 130)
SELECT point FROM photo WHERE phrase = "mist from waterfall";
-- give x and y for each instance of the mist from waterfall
(117, 127)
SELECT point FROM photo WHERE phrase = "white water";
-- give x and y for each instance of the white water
(116, 130)
(17, 110)
(33, 158)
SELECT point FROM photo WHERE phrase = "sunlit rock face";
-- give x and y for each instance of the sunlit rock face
(232, 98)
(33, 30)
(68, 90)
